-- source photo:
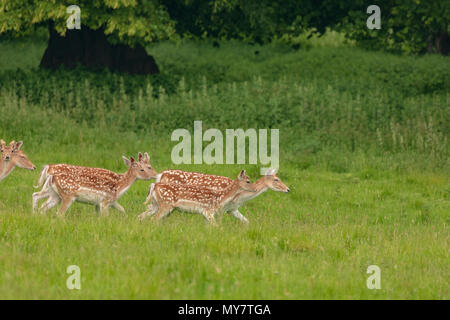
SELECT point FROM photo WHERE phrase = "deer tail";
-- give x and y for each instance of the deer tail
(42, 177)
(150, 193)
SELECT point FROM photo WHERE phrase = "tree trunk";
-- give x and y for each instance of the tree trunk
(442, 43)
(439, 44)
(90, 48)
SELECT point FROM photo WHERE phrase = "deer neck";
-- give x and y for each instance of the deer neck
(229, 192)
(6, 167)
(244, 195)
(125, 182)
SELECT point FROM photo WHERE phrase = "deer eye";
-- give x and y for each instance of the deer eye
(142, 170)
(276, 180)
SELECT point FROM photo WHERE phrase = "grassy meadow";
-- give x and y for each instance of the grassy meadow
(363, 147)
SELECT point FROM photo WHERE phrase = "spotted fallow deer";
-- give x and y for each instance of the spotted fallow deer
(194, 198)
(67, 183)
(12, 157)
(269, 181)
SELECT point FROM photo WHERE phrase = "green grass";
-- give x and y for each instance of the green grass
(363, 148)
(316, 242)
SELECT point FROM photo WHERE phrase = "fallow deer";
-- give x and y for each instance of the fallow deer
(269, 181)
(194, 198)
(12, 157)
(67, 183)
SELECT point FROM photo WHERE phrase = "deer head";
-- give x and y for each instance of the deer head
(141, 169)
(16, 157)
(245, 183)
(273, 182)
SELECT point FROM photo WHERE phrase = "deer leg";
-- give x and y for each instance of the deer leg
(239, 216)
(151, 210)
(209, 216)
(50, 203)
(66, 203)
(162, 211)
(104, 208)
(38, 196)
(117, 206)
(44, 193)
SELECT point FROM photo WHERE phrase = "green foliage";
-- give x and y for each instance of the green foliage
(407, 26)
(312, 39)
(329, 98)
(253, 20)
(125, 21)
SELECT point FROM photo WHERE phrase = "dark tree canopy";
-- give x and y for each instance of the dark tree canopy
(115, 32)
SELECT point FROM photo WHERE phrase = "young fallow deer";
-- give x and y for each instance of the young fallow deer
(67, 183)
(269, 181)
(12, 157)
(194, 198)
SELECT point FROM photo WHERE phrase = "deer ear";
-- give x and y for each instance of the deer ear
(146, 157)
(271, 172)
(126, 161)
(2, 143)
(241, 175)
(18, 145)
(140, 156)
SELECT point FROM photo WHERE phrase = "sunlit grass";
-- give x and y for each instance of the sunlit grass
(366, 159)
